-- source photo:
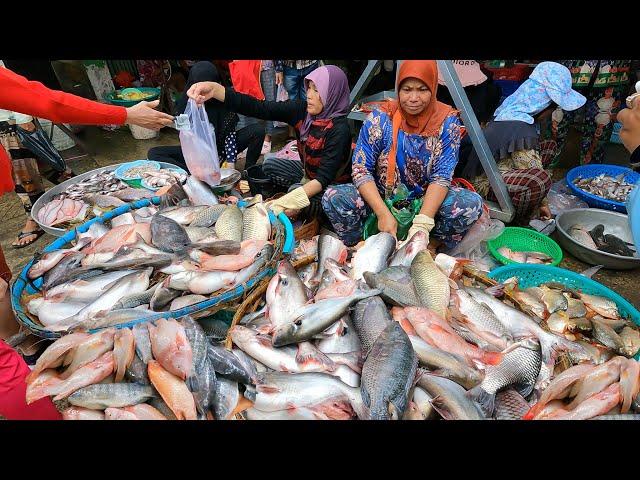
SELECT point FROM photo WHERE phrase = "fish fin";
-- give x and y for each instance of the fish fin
(496, 291)
(452, 283)
(590, 272)
(353, 360)
(366, 398)
(492, 358)
(530, 415)
(485, 400)
(308, 354)
(439, 406)
(267, 389)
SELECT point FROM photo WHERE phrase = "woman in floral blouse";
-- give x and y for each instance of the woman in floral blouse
(418, 138)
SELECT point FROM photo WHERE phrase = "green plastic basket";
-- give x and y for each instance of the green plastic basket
(524, 240)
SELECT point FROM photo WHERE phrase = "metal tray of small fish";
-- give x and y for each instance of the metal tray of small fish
(283, 240)
(614, 222)
(61, 188)
(534, 275)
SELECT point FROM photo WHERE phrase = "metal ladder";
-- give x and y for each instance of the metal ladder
(503, 210)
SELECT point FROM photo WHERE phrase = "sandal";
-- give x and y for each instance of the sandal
(37, 232)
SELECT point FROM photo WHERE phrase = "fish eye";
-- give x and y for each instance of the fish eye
(298, 322)
(284, 282)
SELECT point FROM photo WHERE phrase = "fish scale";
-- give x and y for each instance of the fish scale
(208, 216)
(103, 395)
(510, 405)
(229, 224)
(255, 223)
(432, 286)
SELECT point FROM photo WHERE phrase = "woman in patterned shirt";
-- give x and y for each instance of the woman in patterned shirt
(418, 138)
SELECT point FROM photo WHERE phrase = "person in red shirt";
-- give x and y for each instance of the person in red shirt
(32, 98)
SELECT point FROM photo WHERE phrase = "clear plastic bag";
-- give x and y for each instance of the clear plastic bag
(560, 198)
(484, 229)
(199, 146)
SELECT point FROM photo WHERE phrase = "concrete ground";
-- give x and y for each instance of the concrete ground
(118, 146)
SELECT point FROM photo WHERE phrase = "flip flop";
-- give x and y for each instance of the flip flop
(38, 233)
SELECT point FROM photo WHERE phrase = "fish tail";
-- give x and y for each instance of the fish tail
(530, 415)
(497, 290)
(485, 400)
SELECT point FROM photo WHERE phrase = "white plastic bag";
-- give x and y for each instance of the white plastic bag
(199, 145)
(281, 96)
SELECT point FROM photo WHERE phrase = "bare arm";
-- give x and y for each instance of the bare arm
(386, 221)
(433, 199)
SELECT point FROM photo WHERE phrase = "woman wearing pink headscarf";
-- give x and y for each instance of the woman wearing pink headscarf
(320, 123)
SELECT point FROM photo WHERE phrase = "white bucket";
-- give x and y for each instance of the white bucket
(141, 133)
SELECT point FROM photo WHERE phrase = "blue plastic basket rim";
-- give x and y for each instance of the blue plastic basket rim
(612, 295)
(21, 283)
(602, 168)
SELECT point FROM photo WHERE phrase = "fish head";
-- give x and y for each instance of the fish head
(336, 269)
(288, 333)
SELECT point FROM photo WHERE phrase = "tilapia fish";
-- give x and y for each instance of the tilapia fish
(388, 374)
(173, 391)
(432, 286)
(255, 223)
(374, 255)
(581, 235)
(168, 235)
(101, 396)
(171, 347)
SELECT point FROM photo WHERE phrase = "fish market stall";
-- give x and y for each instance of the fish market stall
(372, 332)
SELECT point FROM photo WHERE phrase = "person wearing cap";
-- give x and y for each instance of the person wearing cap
(513, 139)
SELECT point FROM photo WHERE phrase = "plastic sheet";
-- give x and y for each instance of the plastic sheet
(199, 146)
(561, 198)
(474, 242)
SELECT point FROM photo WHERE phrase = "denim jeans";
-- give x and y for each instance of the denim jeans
(294, 81)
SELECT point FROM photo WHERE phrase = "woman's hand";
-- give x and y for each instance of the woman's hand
(279, 78)
(204, 91)
(630, 131)
(388, 223)
(545, 212)
(144, 115)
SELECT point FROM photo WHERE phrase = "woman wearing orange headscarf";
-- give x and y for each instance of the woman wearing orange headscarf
(413, 141)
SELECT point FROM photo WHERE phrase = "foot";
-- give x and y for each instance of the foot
(29, 234)
(266, 148)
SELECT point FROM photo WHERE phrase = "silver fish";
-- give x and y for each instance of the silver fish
(136, 299)
(226, 398)
(370, 318)
(399, 292)
(388, 374)
(329, 247)
(450, 400)
(143, 342)
(519, 368)
(227, 364)
(373, 256)
(183, 215)
(312, 319)
(199, 193)
(86, 290)
(405, 254)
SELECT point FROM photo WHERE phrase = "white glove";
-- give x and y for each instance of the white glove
(421, 222)
(294, 200)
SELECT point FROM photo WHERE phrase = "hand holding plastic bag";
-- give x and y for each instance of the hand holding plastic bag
(199, 146)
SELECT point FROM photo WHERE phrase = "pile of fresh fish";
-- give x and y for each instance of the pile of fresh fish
(150, 260)
(104, 183)
(162, 177)
(432, 342)
(606, 186)
(376, 332)
(162, 370)
(598, 240)
(102, 192)
(525, 256)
